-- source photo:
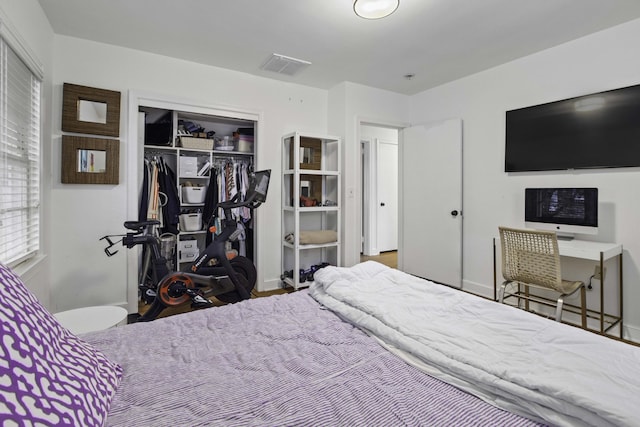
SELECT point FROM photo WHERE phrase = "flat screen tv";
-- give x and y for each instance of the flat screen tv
(566, 211)
(600, 130)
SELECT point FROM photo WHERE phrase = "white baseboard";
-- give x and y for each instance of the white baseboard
(269, 285)
(632, 333)
(478, 288)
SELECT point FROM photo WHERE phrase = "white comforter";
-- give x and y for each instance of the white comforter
(521, 362)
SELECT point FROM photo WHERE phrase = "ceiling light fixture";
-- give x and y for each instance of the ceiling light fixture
(375, 9)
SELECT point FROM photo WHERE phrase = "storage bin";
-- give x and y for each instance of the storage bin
(188, 250)
(245, 144)
(187, 256)
(188, 166)
(194, 194)
(196, 143)
(191, 222)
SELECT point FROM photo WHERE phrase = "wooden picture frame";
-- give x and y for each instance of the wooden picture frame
(90, 160)
(90, 110)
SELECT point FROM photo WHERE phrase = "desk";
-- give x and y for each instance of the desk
(593, 251)
(89, 319)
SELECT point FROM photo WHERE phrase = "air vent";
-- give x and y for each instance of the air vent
(284, 64)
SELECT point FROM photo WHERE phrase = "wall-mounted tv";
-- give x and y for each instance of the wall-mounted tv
(600, 130)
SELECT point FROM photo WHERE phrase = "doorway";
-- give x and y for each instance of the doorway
(429, 202)
(379, 183)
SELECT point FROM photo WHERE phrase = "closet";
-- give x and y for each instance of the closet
(191, 162)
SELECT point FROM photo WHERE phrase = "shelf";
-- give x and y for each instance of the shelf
(232, 153)
(291, 283)
(194, 150)
(159, 147)
(311, 246)
(312, 172)
(310, 166)
(303, 209)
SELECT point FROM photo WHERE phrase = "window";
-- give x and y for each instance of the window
(19, 155)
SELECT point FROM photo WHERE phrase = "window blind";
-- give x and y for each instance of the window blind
(19, 158)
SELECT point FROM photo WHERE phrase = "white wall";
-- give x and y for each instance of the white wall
(81, 273)
(28, 20)
(602, 61)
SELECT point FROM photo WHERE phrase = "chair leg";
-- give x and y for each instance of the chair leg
(583, 304)
(501, 292)
(526, 300)
(559, 309)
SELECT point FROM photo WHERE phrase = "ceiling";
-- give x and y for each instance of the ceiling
(435, 40)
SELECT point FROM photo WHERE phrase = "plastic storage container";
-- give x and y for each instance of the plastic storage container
(188, 250)
(188, 166)
(194, 194)
(191, 222)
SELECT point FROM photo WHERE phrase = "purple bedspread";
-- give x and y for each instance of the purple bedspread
(275, 361)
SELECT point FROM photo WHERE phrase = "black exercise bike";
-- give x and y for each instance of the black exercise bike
(212, 273)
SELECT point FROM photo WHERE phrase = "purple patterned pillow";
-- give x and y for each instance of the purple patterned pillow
(48, 376)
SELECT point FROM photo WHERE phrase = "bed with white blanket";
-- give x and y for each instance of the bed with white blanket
(366, 345)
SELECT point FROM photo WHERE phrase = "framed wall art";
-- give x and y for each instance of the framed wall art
(90, 160)
(90, 110)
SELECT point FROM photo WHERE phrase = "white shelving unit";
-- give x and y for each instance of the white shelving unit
(310, 203)
(188, 161)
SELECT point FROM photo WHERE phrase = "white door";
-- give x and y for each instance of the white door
(431, 202)
(387, 197)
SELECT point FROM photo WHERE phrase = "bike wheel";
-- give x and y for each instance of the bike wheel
(245, 271)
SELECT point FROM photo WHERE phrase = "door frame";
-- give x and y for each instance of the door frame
(358, 229)
(135, 154)
(370, 159)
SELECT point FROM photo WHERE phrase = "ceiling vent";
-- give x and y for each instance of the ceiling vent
(284, 64)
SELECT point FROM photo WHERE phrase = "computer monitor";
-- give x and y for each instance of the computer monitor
(567, 211)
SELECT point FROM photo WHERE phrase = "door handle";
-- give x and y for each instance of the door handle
(454, 213)
(382, 204)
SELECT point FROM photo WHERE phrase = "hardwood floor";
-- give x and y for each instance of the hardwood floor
(390, 259)
(186, 307)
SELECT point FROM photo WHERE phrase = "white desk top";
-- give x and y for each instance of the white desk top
(585, 249)
(89, 319)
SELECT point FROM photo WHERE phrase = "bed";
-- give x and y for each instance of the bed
(366, 345)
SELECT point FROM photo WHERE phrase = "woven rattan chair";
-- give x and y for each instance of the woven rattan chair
(531, 259)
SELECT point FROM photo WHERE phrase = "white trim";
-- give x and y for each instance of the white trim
(631, 333)
(476, 288)
(19, 46)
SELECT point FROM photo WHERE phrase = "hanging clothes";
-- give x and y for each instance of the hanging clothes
(144, 193)
(171, 208)
(210, 203)
(159, 197)
(229, 178)
(153, 210)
